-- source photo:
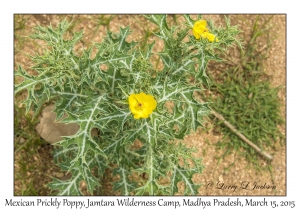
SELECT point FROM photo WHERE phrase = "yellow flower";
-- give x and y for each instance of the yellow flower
(200, 31)
(210, 37)
(199, 28)
(141, 105)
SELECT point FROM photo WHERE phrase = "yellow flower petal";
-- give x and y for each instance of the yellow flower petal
(199, 23)
(199, 28)
(141, 105)
(210, 37)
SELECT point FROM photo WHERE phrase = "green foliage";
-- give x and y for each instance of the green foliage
(246, 99)
(94, 93)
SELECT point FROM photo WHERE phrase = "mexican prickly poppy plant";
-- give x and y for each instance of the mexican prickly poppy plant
(126, 103)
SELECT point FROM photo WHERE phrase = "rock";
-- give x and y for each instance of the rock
(51, 131)
(59, 174)
(22, 140)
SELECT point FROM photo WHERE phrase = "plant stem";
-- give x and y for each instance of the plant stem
(185, 54)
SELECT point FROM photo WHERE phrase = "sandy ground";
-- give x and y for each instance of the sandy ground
(217, 178)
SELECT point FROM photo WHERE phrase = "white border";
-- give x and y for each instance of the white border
(8, 8)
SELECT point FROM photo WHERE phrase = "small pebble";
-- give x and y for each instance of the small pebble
(22, 140)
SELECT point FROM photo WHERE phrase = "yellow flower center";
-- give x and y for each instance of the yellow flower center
(141, 105)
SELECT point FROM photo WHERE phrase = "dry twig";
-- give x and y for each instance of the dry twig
(233, 129)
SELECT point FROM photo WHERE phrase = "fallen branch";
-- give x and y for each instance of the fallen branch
(233, 129)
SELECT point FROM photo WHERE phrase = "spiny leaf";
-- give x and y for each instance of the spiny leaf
(124, 184)
(159, 20)
(120, 40)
